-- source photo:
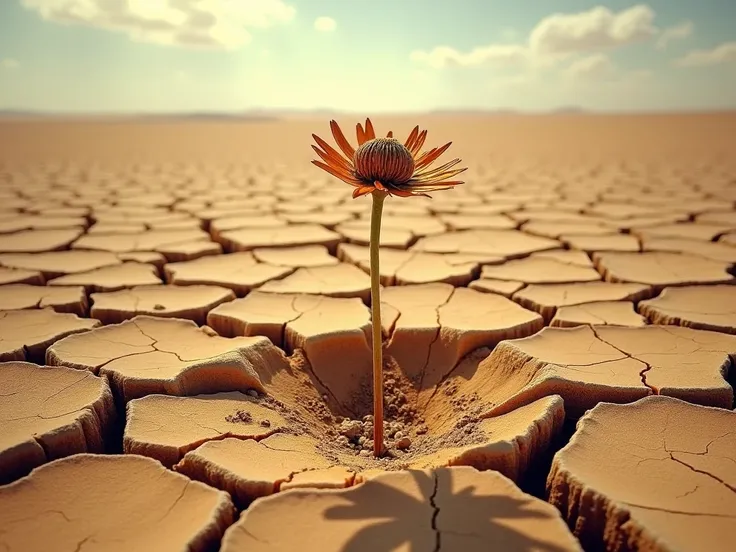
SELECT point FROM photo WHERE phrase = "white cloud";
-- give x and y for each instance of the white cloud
(9, 63)
(678, 32)
(599, 68)
(591, 30)
(219, 24)
(497, 54)
(325, 24)
(553, 39)
(725, 53)
(596, 66)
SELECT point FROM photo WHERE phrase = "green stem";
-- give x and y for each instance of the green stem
(376, 213)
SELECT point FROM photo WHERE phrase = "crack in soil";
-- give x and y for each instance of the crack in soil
(702, 472)
(176, 501)
(81, 543)
(647, 366)
(251, 535)
(435, 513)
(436, 338)
(679, 512)
(327, 389)
(155, 347)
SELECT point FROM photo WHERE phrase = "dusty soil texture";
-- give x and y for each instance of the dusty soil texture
(667, 481)
(185, 333)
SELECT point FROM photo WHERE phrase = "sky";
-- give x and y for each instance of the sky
(135, 56)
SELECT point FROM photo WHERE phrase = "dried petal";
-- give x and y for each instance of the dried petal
(334, 172)
(341, 141)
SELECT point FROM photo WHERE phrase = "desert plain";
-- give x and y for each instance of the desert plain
(185, 338)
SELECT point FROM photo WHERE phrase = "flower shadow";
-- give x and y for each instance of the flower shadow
(450, 509)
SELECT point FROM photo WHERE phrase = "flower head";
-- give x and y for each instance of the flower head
(385, 164)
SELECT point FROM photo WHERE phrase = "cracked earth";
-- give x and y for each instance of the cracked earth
(185, 352)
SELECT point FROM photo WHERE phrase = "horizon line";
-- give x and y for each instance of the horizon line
(272, 114)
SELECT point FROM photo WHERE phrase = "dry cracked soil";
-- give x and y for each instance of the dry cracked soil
(185, 352)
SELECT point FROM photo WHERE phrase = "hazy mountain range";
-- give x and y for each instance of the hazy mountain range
(276, 114)
(249, 114)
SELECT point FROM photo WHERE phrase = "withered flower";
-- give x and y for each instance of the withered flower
(382, 167)
(385, 164)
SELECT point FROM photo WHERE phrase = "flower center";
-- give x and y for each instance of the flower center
(384, 159)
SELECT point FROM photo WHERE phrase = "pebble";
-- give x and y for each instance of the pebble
(398, 435)
(351, 429)
(364, 452)
(403, 443)
(253, 393)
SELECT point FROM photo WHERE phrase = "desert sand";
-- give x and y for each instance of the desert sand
(185, 345)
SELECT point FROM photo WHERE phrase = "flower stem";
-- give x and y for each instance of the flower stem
(376, 213)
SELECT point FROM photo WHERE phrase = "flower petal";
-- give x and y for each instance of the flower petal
(429, 171)
(379, 186)
(335, 172)
(433, 179)
(433, 187)
(332, 153)
(369, 132)
(346, 172)
(341, 141)
(401, 193)
(361, 134)
(414, 150)
(357, 192)
(428, 157)
(412, 137)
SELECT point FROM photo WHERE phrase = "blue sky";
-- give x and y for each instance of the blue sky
(366, 55)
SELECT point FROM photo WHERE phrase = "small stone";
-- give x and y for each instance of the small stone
(266, 423)
(324, 397)
(361, 441)
(399, 435)
(364, 452)
(342, 440)
(351, 429)
(253, 393)
(159, 307)
(403, 443)
(421, 430)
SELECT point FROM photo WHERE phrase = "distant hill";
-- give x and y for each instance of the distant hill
(19, 114)
(263, 114)
(571, 109)
(473, 112)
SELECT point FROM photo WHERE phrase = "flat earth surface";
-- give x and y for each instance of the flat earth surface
(185, 339)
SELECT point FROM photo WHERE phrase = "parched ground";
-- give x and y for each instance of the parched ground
(185, 347)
